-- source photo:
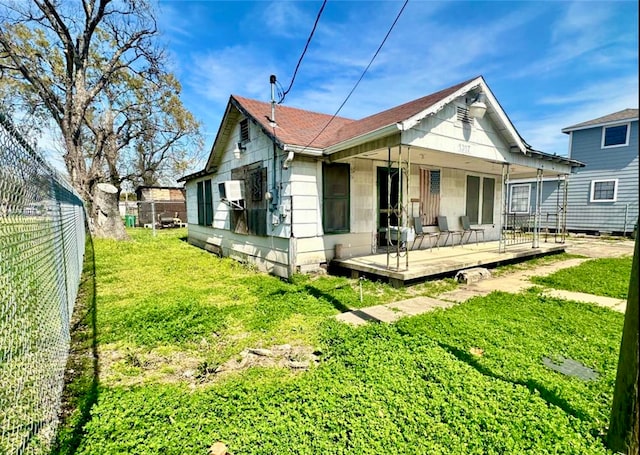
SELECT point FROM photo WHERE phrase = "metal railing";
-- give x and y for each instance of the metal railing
(619, 218)
(42, 238)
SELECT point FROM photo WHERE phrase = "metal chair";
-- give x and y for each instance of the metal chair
(421, 233)
(443, 225)
(466, 228)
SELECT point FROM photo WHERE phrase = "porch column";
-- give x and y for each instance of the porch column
(563, 226)
(538, 212)
(504, 201)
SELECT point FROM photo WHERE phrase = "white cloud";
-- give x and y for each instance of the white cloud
(590, 102)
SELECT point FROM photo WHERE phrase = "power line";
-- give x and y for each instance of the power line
(306, 46)
(361, 76)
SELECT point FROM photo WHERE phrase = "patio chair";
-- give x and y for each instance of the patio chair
(443, 225)
(421, 233)
(466, 228)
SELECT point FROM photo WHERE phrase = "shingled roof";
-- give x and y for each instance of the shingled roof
(312, 129)
(620, 116)
(294, 126)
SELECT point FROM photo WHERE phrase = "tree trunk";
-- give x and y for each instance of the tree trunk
(105, 216)
(623, 426)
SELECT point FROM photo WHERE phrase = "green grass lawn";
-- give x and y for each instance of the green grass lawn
(607, 277)
(466, 380)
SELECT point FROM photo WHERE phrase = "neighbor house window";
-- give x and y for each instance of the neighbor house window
(615, 136)
(604, 190)
(335, 198)
(520, 198)
(480, 199)
(244, 131)
(205, 203)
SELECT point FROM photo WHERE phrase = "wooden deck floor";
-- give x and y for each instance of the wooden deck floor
(424, 264)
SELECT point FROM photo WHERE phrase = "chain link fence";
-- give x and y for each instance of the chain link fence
(42, 238)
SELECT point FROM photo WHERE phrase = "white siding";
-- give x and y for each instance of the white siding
(444, 132)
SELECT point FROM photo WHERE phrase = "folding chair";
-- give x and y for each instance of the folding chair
(421, 233)
(443, 225)
(466, 227)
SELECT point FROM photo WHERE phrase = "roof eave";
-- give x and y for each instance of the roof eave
(569, 129)
(363, 138)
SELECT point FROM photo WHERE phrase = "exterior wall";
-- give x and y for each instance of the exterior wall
(551, 203)
(364, 207)
(269, 254)
(442, 131)
(619, 163)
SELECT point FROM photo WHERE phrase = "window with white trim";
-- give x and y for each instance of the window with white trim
(615, 136)
(604, 190)
(520, 198)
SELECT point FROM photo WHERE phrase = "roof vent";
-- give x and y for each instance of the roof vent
(463, 114)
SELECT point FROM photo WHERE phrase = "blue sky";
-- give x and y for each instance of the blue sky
(550, 64)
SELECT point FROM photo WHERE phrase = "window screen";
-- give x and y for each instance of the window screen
(473, 198)
(335, 191)
(488, 196)
(520, 195)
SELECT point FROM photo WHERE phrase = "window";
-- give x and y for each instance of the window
(615, 136)
(335, 194)
(520, 199)
(205, 203)
(604, 190)
(480, 199)
(244, 131)
(252, 218)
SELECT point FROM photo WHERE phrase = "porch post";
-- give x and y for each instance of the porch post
(504, 201)
(538, 212)
(565, 189)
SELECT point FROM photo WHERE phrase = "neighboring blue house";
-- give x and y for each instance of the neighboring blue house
(600, 197)
(603, 196)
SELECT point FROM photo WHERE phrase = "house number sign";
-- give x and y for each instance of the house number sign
(464, 148)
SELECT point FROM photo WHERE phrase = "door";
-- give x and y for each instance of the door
(388, 198)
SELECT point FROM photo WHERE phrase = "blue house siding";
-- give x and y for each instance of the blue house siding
(619, 163)
(551, 204)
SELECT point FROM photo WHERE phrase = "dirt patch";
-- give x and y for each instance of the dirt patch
(128, 367)
(295, 358)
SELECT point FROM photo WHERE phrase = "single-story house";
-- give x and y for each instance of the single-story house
(285, 188)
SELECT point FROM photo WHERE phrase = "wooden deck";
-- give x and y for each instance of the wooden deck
(425, 264)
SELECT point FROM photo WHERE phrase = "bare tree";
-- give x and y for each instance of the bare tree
(94, 67)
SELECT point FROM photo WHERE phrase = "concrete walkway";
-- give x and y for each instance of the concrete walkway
(513, 282)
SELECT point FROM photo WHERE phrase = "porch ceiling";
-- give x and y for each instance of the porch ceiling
(438, 159)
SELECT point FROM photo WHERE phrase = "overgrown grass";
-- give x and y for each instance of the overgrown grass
(466, 380)
(608, 277)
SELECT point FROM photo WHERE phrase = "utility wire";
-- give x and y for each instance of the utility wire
(306, 46)
(361, 76)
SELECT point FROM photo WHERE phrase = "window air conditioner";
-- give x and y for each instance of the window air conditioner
(231, 190)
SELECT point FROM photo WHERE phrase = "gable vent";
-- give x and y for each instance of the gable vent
(463, 114)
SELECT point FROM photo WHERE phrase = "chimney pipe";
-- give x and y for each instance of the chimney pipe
(272, 81)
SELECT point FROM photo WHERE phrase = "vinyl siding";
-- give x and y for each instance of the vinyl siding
(619, 163)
